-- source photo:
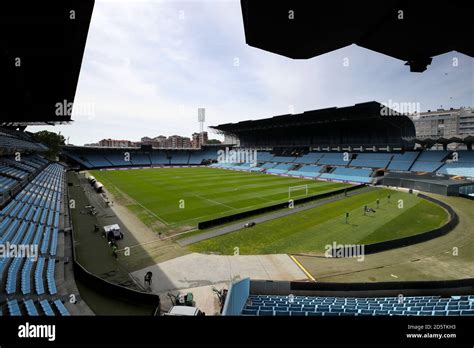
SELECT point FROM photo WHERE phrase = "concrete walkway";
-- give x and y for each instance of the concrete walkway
(197, 270)
(284, 212)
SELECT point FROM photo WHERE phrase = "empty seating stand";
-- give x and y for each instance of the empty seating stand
(371, 160)
(19, 141)
(267, 165)
(280, 168)
(158, 158)
(32, 217)
(309, 158)
(179, 158)
(402, 161)
(429, 161)
(461, 164)
(269, 305)
(349, 174)
(284, 159)
(359, 168)
(264, 156)
(334, 159)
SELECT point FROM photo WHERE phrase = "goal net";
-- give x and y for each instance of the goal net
(297, 191)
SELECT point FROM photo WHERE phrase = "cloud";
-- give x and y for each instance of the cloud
(149, 65)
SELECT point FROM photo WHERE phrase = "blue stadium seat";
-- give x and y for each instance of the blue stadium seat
(46, 308)
(31, 308)
(14, 308)
(61, 308)
(266, 305)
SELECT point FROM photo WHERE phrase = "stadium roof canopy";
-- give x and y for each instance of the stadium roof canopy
(41, 48)
(365, 124)
(430, 141)
(413, 31)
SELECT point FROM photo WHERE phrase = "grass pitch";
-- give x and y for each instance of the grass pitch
(167, 198)
(176, 199)
(311, 230)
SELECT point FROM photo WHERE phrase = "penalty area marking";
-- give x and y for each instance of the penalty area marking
(305, 271)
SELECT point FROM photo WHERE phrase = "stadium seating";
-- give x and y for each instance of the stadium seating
(138, 159)
(158, 158)
(17, 164)
(97, 160)
(371, 160)
(198, 156)
(310, 169)
(12, 172)
(180, 157)
(46, 308)
(410, 161)
(429, 161)
(461, 169)
(309, 158)
(79, 158)
(15, 141)
(280, 168)
(118, 159)
(264, 156)
(31, 308)
(307, 171)
(32, 217)
(268, 305)
(6, 183)
(402, 161)
(463, 165)
(349, 174)
(267, 165)
(60, 306)
(14, 308)
(284, 159)
(333, 159)
(256, 169)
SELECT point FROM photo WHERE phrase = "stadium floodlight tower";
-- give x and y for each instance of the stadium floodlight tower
(201, 119)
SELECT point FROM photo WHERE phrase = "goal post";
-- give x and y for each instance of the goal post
(300, 190)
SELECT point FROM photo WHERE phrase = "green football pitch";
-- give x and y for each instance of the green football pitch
(310, 231)
(176, 199)
(167, 198)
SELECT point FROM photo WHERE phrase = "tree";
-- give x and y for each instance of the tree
(213, 141)
(52, 140)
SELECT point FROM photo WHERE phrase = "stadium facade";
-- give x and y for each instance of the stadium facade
(366, 125)
(453, 128)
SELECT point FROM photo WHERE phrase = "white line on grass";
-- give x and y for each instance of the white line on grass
(152, 213)
(141, 205)
(211, 200)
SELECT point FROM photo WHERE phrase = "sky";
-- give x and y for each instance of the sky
(149, 65)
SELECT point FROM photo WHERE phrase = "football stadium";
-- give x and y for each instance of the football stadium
(342, 211)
